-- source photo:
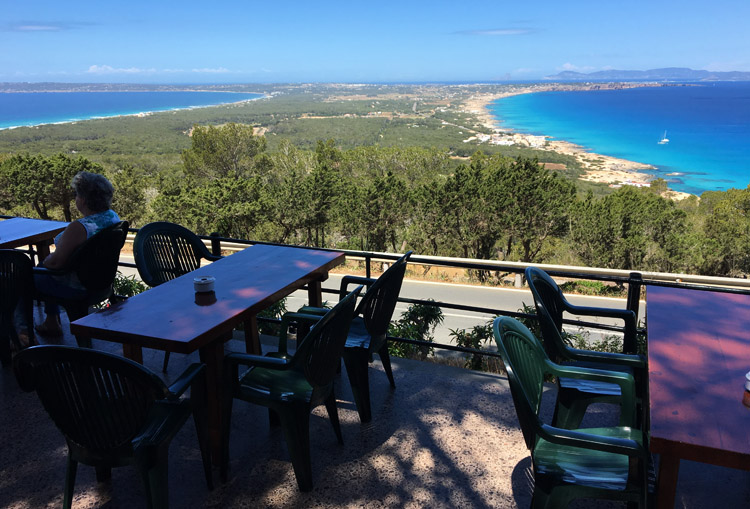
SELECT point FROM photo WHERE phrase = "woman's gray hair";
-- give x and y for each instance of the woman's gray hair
(94, 189)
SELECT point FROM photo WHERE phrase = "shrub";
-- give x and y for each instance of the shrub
(417, 322)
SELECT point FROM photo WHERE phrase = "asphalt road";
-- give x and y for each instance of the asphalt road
(509, 299)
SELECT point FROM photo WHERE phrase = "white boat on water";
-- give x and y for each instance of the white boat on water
(664, 140)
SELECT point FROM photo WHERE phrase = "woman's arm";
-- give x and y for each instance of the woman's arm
(73, 236)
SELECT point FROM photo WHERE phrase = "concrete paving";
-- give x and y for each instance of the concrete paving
(445, 437)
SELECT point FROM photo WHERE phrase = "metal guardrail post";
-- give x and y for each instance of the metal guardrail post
(215, 244)
(635, 282)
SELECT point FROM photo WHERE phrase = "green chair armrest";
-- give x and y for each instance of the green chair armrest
(625, 381)
(286, 320)
(353, 280)
(312, 310)
(634, 361)
(164, 420)
(246, 359)
(578, 438)
(626, 315)
(186, 379)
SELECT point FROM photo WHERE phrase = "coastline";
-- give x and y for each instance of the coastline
(598, 168)
(135, 114)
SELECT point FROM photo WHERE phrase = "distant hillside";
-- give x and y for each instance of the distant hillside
(665, 74)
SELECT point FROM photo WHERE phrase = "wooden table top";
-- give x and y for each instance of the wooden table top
(699, 353)
(22, 231)
(168, 317)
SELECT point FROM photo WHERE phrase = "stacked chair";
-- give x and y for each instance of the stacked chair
(290, 387)
(575, 395)
(369, 330)
(164, 251)
(601, 463)
(114, 412)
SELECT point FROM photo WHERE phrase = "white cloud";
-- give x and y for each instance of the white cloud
(498, 31)
(567, 66)
(37, 28)
(108, 69)
(217, 70)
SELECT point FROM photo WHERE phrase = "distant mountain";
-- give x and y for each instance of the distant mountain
(665, 74)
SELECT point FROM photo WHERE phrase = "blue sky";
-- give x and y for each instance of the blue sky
(227, 41)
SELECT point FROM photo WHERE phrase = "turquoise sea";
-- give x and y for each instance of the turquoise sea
(35, 108)
(708, 127)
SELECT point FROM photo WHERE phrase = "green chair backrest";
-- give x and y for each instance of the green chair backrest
(381, 297)
(525, 361)
(95, 261)
(99, 401)
(164, 251)
(548, 299)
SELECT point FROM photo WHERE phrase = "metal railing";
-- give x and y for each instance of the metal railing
(634, 281)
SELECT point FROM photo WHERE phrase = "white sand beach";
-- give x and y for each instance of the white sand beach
(598, 168)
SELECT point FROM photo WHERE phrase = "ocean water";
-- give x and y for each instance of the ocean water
(35, 108)
(708, 126)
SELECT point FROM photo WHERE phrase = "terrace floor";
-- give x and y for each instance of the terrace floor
(445, 437)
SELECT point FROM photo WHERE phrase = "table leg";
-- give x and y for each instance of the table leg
(212, 355)
(669, 470)
(314, 294)
(42, 250)
(132, 352)
(252, 336)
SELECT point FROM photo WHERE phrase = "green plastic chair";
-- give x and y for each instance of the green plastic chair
(574, 395)
(95, 264)
(291, 387)
(16, 286)
(164, 251)
(368, 334)
(600, 463)
(114, 412)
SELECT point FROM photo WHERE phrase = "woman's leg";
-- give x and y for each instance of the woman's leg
(51, 289)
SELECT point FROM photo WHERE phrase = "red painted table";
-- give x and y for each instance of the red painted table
(22, 231)
(698, 355)
(174, 318)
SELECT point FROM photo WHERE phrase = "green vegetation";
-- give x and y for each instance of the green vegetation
(379, 168)
(417, 322)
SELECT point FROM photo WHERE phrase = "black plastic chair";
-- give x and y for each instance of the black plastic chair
(601, 463)
(291, 387)
(95, 264)
(16, 286)
(369, 330)
(114, 412)
(574, 396)
(164, 251)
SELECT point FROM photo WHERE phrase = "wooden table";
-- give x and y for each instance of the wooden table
(698, 355)
(22, 231)
(172, 317)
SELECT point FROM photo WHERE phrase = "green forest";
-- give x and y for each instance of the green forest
(376, 184)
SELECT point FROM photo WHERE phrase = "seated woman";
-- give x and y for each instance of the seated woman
(93, 199)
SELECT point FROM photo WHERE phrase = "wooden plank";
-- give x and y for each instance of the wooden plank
(699, 352)
(169, 318)
(22, 231)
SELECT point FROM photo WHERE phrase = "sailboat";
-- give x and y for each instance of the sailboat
(664, 140)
